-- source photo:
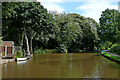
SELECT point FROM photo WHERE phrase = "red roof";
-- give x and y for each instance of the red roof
(8, 43)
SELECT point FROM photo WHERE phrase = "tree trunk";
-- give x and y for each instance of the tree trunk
(21, 43)
(27, 43)
(30, 44)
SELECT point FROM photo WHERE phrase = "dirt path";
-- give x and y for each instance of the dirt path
(113, 54)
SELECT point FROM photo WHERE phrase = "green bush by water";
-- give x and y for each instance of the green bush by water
(19, 54)
(44, 51)
(62, 49)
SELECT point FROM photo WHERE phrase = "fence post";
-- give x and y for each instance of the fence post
(5, 50)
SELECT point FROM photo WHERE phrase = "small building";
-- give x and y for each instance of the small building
(7, 47)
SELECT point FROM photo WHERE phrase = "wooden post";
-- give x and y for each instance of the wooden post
(5, 50)
(12, 50)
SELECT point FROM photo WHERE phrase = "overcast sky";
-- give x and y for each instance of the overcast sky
(87, 8)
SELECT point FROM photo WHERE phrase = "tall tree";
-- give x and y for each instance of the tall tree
(108, 30)
(33, 20)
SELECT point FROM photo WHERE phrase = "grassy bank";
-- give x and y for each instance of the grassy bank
(115, 58)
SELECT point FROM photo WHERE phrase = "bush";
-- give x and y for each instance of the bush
(62, 49)
(40, 51)
(105, 45)
(3, 53)
(19, 54)
(44, 51)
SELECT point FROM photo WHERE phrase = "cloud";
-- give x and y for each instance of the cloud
(52, 5)
(76, 0)
(94, 9)
(119, 6)
(90, 8)
(50, 0)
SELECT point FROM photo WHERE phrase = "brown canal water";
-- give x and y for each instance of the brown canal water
(72, 65)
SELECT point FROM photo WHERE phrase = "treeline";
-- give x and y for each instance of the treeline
(31, 26)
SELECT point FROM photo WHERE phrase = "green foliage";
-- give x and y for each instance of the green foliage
(108, 30)
(32, 18)
(44, 51)
(3, 53)
(75, 32)
(62, 49)
(116, 48)
(105, 45)
(66, 32)
(116, 58)
(40, 51)
(19, 54)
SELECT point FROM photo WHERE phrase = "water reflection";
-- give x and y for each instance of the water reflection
(63, 66)
(21, 62)
(0, 71)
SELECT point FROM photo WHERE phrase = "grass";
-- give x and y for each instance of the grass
(115, 58)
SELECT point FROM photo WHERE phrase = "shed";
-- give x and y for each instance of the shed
(7, 47)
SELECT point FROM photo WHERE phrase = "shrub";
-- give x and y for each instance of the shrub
(40, 51)
(44, 51)
(19, 54)
(105, 45)
(115, 48)
(62, 49)
(3, 53)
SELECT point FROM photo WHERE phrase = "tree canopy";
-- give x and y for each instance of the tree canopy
(108, 29)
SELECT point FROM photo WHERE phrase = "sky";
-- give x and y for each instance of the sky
(87, 8)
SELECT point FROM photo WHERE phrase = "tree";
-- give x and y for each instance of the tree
(75, 32)
(108, 30)
(34, 23)
(89, 33)
(67, 30)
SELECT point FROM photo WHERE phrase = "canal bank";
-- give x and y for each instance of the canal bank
(111, 56)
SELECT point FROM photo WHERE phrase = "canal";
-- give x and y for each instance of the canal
(72, 65)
